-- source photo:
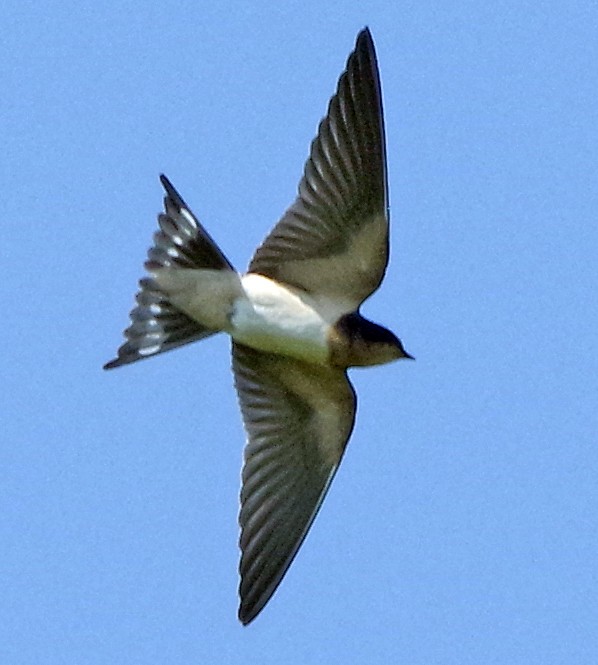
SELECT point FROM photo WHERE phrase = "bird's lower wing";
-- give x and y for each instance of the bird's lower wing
(298, 419)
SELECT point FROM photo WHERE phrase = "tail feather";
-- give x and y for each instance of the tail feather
(182, 241)
(156, 324)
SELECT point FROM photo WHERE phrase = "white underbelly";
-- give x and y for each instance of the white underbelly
(275, 319)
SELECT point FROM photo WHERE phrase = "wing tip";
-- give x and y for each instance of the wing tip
(246, 615)
(251, 606)
(365, 35)
(365, 41)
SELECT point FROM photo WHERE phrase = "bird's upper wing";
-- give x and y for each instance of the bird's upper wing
(333, 240)
(298, 419)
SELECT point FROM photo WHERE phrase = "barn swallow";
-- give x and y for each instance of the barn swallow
(293, 318)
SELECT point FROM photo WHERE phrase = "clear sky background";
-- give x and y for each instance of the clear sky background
(463, 524)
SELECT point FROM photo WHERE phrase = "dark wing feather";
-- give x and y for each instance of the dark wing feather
(333, 240)
(298, 419)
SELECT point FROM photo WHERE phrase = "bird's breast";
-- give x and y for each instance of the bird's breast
(274, 318)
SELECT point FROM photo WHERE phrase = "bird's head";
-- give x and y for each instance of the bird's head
(360, 342)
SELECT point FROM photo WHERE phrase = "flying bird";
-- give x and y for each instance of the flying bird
(293, 318)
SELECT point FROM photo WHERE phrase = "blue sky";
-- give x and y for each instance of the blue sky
(462, 526)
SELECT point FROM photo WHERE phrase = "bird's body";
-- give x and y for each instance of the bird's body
(293, 318)
(253, 309)
(275, 318)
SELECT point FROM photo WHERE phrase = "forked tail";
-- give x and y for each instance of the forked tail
(156, 324)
